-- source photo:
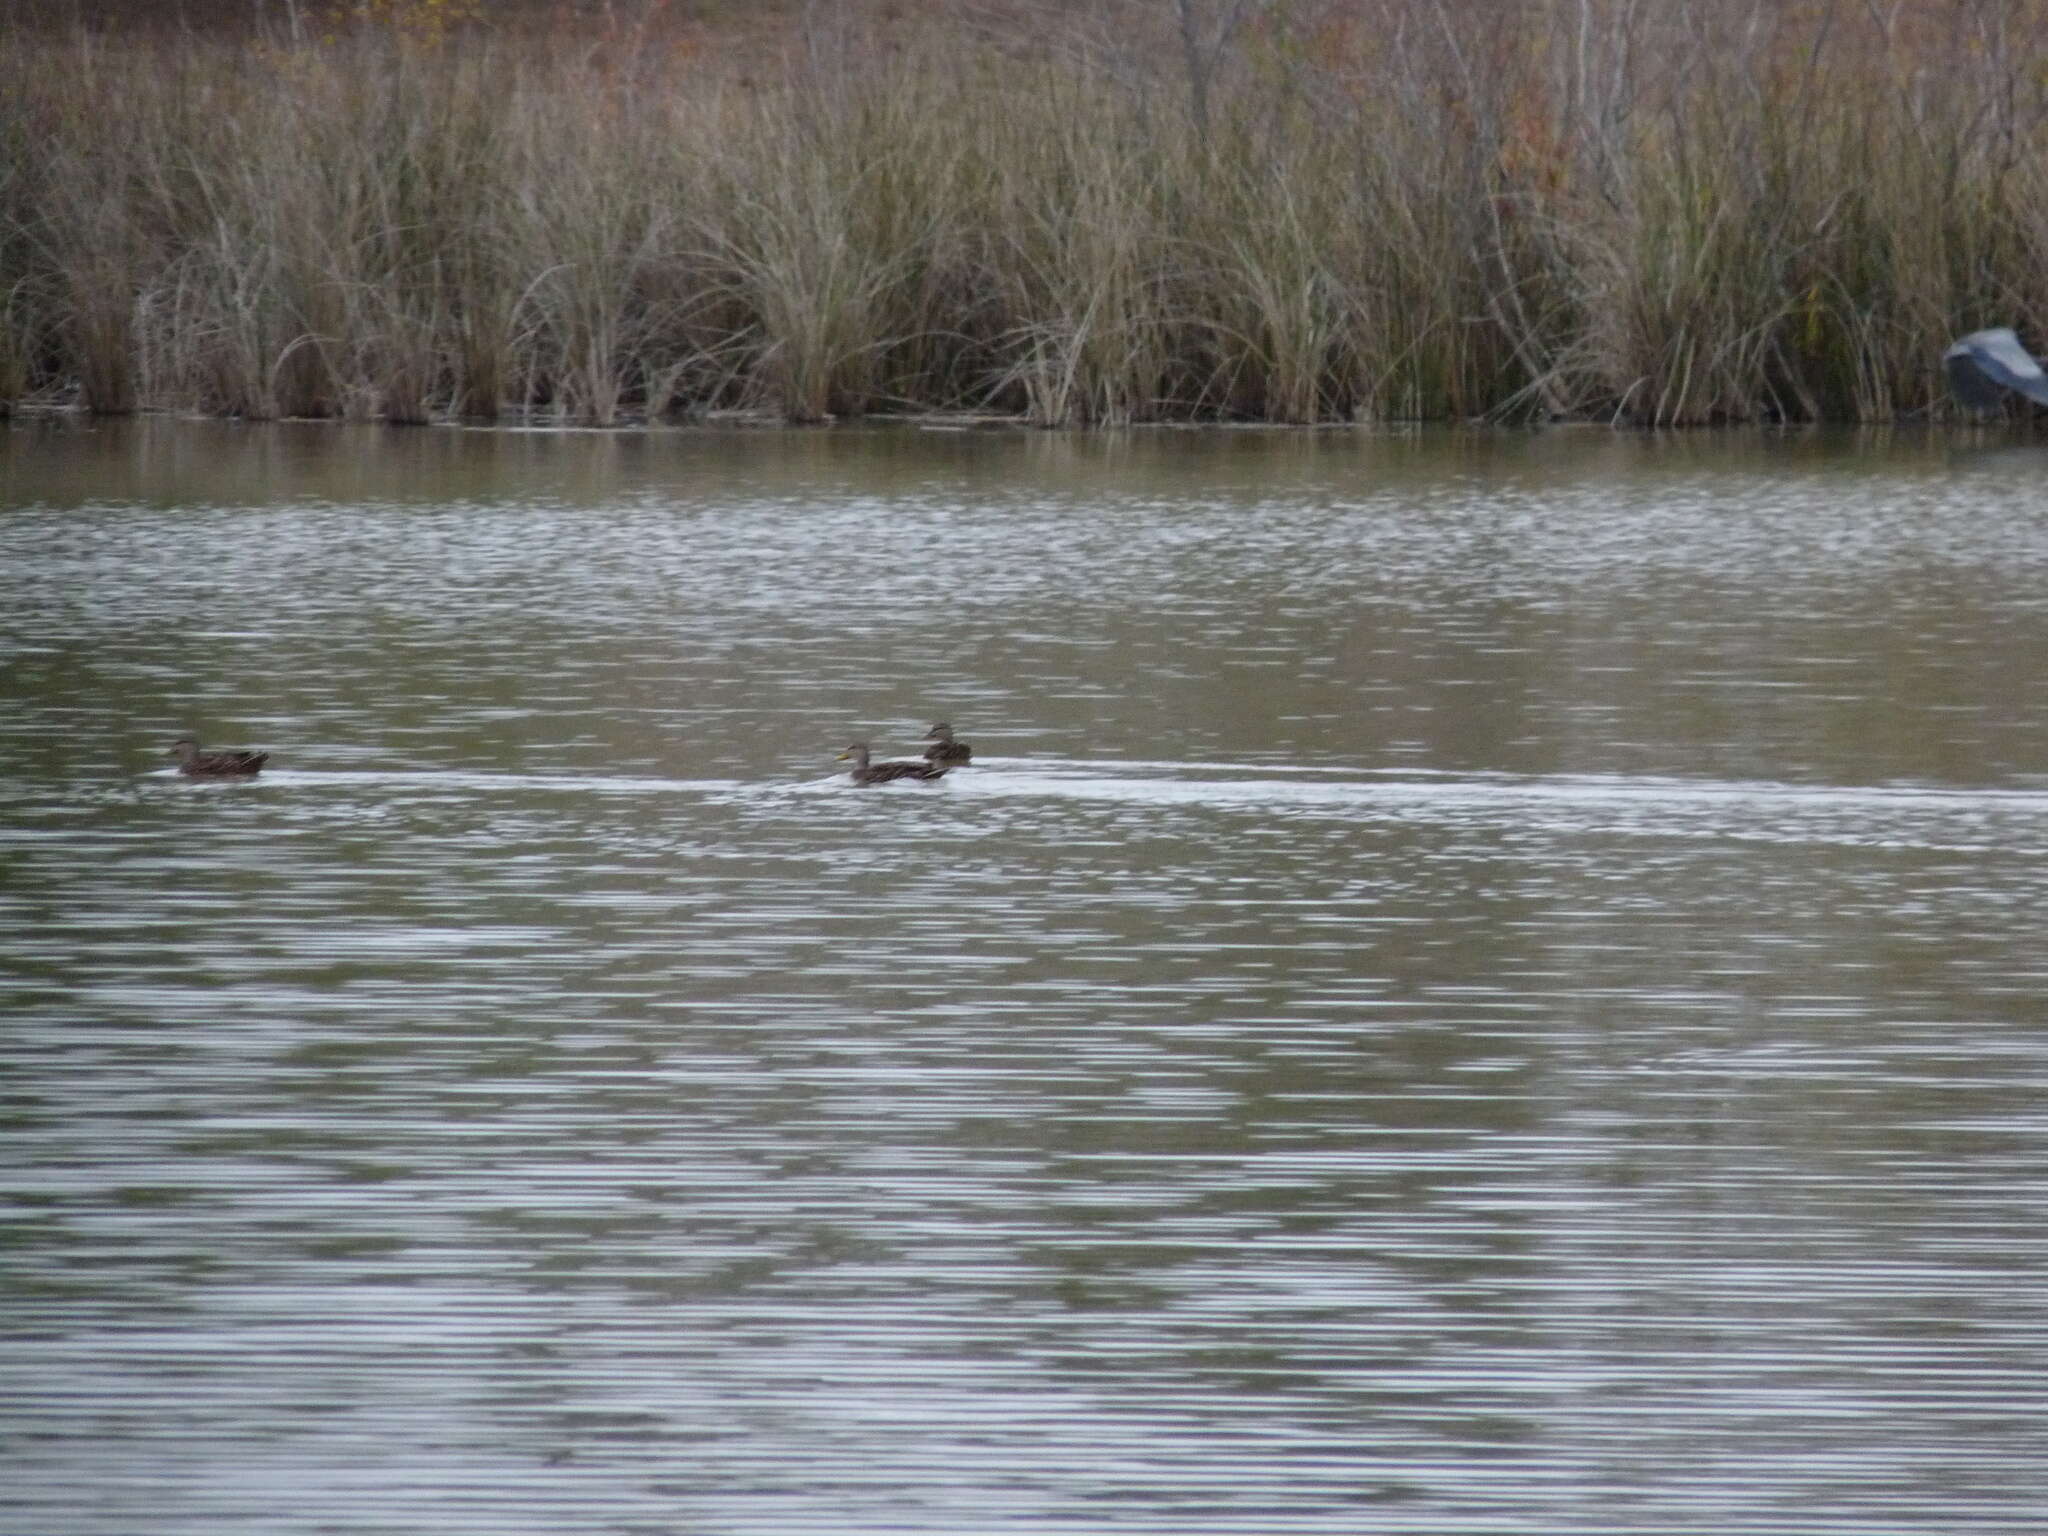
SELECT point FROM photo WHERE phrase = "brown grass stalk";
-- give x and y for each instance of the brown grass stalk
(1661, 211)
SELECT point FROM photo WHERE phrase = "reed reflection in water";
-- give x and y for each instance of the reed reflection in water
(1473, 985)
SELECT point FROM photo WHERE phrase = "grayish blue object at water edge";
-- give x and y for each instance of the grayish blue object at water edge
(1985, 367)
(1474, 983)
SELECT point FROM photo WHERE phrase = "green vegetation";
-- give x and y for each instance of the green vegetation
(1661, 212)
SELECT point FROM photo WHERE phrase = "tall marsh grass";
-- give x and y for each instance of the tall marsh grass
(1666, 211)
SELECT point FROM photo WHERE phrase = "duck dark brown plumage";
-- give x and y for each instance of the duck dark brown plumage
(865, 772)
(216, 765)
(944, 749)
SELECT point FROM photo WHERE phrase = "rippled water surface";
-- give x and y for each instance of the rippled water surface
(1475, 984)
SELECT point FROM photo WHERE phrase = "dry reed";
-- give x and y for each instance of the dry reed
(1693, 211)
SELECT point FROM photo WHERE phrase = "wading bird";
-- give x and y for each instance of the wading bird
(1984, 366)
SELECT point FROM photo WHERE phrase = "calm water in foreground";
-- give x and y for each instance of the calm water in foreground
(1477, 984)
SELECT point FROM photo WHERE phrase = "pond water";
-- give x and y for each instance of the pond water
(1475, 983)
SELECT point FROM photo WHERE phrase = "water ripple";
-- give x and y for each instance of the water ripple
(1468, 988)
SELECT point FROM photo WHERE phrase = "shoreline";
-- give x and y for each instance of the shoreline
(768, 422)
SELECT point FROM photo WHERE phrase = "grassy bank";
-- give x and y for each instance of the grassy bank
(1673, 212)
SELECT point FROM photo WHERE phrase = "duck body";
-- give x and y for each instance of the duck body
(944, 749)
(196, 764)
(865, 772)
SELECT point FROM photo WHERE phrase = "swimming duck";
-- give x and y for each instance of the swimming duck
(216, 765)
(881, 773)
(944, 749)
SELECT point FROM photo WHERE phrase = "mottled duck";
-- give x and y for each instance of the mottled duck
(865, 772)
(216, 765)
(944, 749)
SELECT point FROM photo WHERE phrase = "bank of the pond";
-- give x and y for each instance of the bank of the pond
(1667, 214)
